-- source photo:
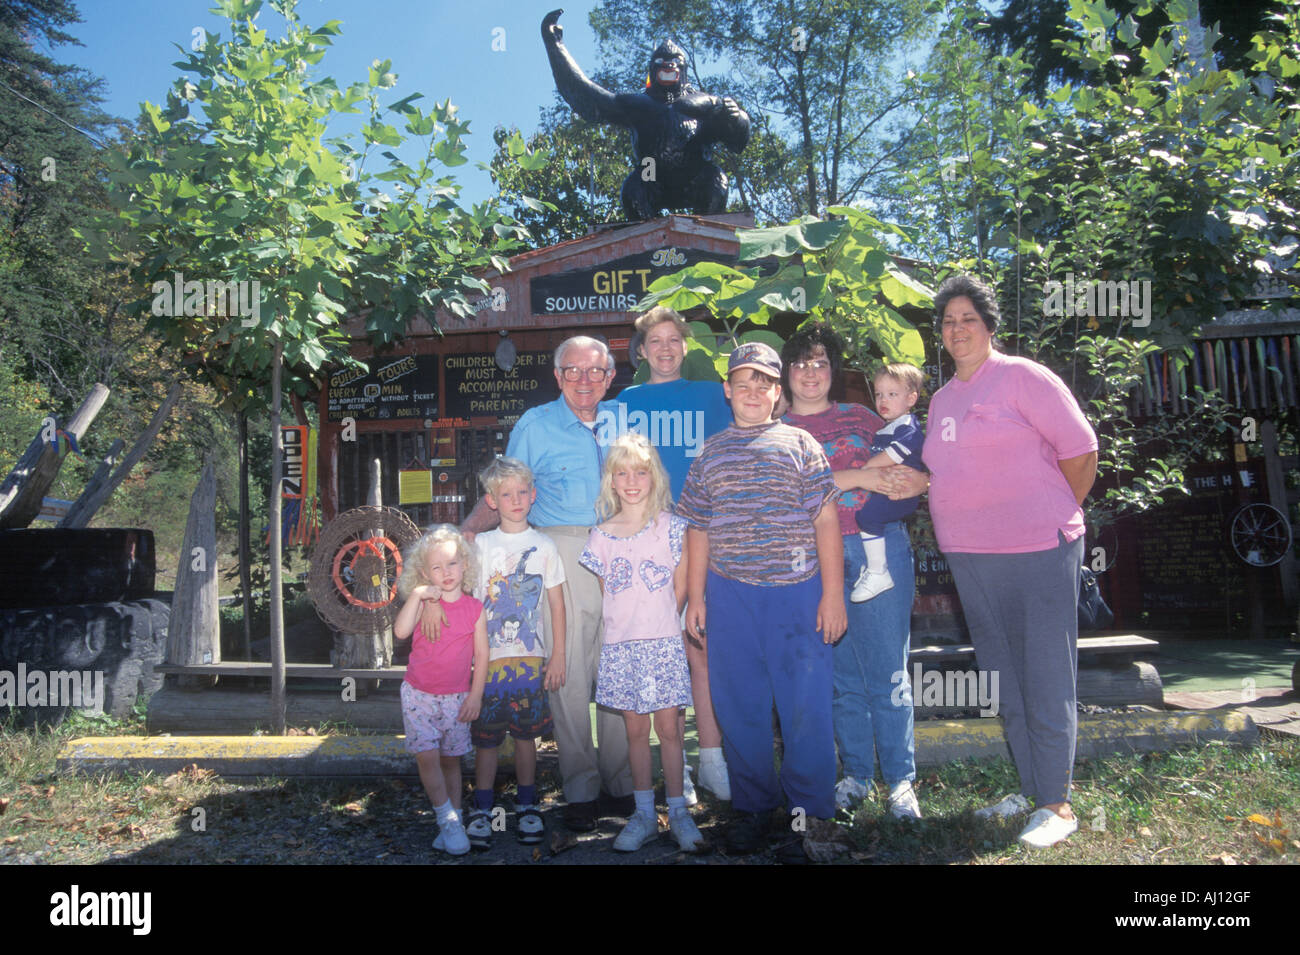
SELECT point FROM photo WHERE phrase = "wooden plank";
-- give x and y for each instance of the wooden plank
(30, 480)
(1088, 646)
(302, 671)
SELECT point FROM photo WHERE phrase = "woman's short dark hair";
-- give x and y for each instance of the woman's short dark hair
(980, 295)
(804, 342)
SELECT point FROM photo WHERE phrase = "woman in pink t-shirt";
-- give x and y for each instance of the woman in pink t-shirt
(1011, 458)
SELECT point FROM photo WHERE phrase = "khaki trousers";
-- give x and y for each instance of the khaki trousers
(584, 767)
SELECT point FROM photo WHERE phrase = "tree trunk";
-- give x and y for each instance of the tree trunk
(24, 489)
(245, 578)
(80, 513)
(194, 631)
(277, 592)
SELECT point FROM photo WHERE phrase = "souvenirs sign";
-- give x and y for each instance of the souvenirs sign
(394, 387)
(615, 286)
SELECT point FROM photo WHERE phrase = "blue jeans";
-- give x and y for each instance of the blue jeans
(872, 705)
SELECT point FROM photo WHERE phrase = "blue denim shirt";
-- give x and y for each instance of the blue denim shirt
(566, 459)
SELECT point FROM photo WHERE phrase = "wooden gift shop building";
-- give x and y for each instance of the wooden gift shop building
(435, 409)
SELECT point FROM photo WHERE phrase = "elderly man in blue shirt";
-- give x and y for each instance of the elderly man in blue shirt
(561, 443)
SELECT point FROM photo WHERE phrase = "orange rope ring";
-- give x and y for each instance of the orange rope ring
(376, 546)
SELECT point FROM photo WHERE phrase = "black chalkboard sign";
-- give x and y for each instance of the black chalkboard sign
(394, 387)
(614, 286)
(477, 387)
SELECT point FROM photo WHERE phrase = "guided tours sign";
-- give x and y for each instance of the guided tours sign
(393, 388)
(613, 286)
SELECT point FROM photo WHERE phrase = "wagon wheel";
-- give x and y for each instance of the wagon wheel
(355, 568)
(1260, 535)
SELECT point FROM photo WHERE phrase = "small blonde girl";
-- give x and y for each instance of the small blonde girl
(443, 689)
(637, 553)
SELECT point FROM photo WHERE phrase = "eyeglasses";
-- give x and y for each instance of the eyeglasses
(816, 364)
(573, 373)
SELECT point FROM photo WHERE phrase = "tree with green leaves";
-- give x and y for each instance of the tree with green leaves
(251, 233)
(833, 270)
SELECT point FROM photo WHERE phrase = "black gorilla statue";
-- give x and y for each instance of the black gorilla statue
(674, 128)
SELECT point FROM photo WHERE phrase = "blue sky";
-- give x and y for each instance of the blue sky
(441, 48)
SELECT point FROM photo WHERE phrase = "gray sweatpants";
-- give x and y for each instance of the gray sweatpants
(1022, 610)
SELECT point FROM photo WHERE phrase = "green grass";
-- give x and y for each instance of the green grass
(1189, 806)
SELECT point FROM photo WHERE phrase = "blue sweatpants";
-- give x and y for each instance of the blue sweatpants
(764, 648)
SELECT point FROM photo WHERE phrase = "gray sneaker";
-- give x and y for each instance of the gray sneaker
(685, 831)
(452, 838)
(479, 829)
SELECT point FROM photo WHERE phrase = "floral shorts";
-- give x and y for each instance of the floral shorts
(643, 676)
(430, 721)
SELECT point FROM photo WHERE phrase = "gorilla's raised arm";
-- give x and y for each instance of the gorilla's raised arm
(592, 102)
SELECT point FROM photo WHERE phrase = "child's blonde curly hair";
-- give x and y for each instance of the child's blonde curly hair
(417, 556)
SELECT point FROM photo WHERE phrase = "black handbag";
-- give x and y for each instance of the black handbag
(1093, 612)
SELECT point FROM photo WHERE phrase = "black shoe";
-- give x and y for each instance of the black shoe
(617, 805)
(791, 851)
(580, 816)
(748, 833)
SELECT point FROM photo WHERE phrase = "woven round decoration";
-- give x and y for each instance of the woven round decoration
(355, 567)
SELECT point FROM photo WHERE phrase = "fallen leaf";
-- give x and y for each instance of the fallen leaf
(355, 807)
(1144, 831)
(49, 792)
(1224, 858)
(4, 804)
(560, 841)
(1260, 820)
(537, 854)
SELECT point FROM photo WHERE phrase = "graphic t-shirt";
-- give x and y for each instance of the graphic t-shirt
(756, 491)
(515, 571)
(640, 603)
(446, 666)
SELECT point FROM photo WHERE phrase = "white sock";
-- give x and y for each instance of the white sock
(710, 755)
(645, 802)
(875, 548)
(676, 804)
(446, 813)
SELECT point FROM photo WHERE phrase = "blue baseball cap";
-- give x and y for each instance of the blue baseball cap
(755, 355)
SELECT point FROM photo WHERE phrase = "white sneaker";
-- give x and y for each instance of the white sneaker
(688, 787)
(902, 801)
(638, 831)
(870, 585)
(452, 839)
(684, 830)
(1046, 828)
(1004, 808)
(849, 792)
(714, 778)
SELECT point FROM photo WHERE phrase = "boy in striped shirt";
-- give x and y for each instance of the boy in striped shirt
(766, 569)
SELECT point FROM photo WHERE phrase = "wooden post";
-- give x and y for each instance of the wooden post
(277, 588)
(1275, 480)
(84, 509)
(373, 649)
(194, 632)
(245, 577)
(97, 480)
(24, 489)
